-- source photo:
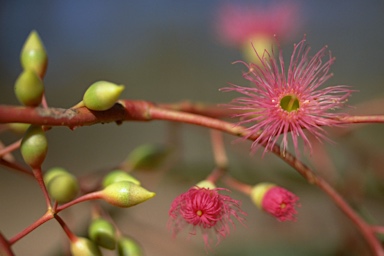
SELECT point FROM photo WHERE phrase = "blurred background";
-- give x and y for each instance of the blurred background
(169, 51)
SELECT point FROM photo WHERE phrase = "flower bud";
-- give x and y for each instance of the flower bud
(63, 187)
(84, 247)
(147, 156)
(258, 44)
(33, 55)
(34, 146)
(206, 184)
(102, 233)
(102, 95)
(125, 194)
(275, 200)
(128, 247)
(118, 175)
(29, 88)
(52, 173)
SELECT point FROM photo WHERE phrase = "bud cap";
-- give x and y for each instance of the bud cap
(125, 194)
(33, 55)
(102, 95)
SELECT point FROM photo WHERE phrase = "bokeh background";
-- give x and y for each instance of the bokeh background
(169, 51)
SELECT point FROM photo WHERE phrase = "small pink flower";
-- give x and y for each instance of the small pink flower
(207, 210)
(280, 102)
(238, 23)
(275, 200)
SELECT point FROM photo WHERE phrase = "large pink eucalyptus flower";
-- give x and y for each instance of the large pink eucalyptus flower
(283, 103)
(237, 24)
(207, 210)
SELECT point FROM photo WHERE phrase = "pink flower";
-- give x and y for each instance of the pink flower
(280, 103)
(207, 210)
(275, 200)
(238, 23)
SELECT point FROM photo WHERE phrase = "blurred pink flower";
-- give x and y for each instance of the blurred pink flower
(280, 103)
(237, 24)
(207, 210)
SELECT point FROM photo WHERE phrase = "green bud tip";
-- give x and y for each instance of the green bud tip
(33, 55)
(83, 246)
(102, 233)
(63, 187)
(102, 95)
(127, 246)
(118, 175)
(34, 146)
(29, 88)
(125, 194)
(258, 191)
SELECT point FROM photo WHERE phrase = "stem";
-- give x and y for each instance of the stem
(239, 186)
(46, 217)
(72, 237)
(15, 166)
(219, 153)
(5, 247)
(10, 148)
(39, 177)
(86, 197)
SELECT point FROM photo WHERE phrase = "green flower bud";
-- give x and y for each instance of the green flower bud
(34, 146)
(118, 175)
(147, 156)
(33, 55)
(84, 247)
(102, 95)
(102, 233)
(53, 172)
(63, 187)
(128, 247)
(125, 194)
(18, 127)
(29, 88)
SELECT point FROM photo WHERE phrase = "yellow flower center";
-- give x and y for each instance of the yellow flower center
(199, 213)
(290, 103)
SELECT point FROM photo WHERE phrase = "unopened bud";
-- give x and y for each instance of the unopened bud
(118, 175)
(63, 187)
(102, 95)
(34, 146)
(53, 172)
(128, 247)
(147, 156)
(259, 44)
(29, 88)
(125, 194)
(33, 55)
(18, 127)
(102, 233)
(84, 247)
